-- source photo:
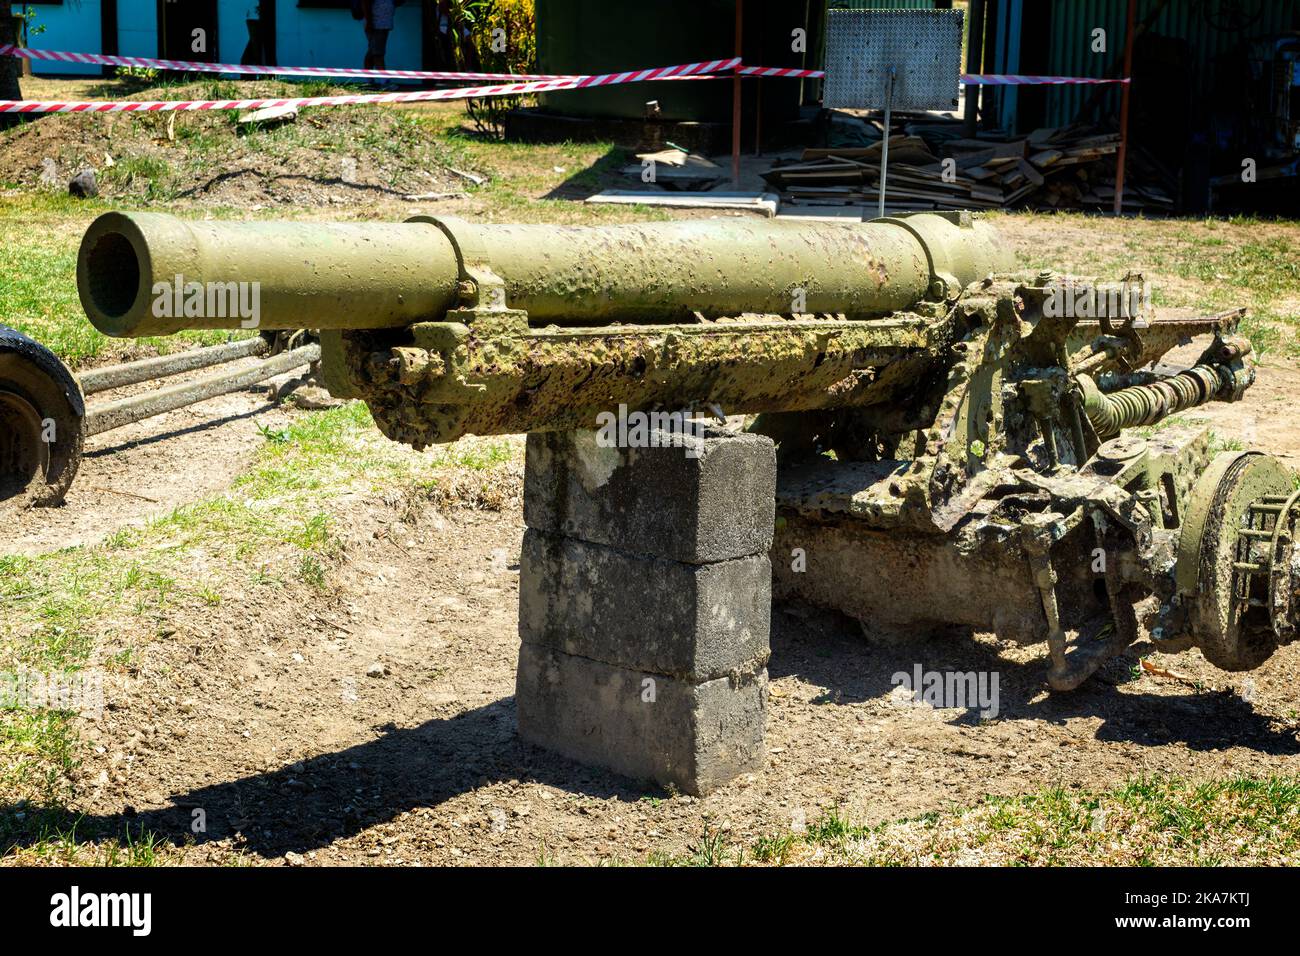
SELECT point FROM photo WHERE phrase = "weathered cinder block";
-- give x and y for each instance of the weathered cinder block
(693, 621)
(711, 505)
(645, 726)
(645, 603)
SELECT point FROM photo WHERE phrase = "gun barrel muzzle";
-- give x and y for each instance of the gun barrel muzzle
(154, 274)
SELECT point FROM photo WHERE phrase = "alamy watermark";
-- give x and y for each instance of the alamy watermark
(73, 909)
(949, 690)
(179, 299)
(80, 692)
(636, 429)
(1071, 299)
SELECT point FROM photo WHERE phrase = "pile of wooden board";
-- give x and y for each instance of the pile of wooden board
(1070, 167)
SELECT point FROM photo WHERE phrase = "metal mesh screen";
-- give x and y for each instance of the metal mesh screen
(923, 47)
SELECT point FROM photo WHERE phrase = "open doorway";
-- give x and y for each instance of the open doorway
(187, 30)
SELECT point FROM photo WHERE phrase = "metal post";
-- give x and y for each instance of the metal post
(758, 97)
(735, 96)
(884, 147)
(974, 52)
(803, 58)
(1122, 158)
(989, 62)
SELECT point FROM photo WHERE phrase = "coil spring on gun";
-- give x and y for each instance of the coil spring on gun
(1147, 404)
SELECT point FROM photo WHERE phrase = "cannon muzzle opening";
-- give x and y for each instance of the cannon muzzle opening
(154, 274)
(113, 273)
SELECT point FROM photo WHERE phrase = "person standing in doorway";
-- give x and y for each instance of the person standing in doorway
(379, 23)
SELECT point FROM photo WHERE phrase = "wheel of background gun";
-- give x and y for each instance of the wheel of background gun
(42, 415)
(1233, 633)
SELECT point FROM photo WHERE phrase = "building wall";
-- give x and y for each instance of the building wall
(316, 37)
(305, 36)
(1208, 28)
(137, 27)
(608, 36)
(232, 30)
(881, 5)
(72, 25)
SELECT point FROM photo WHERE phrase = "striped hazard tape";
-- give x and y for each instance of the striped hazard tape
(1016, 79)
(503, 84)
(195, 66)
(683, 71)
(971, 79)
(779, 71)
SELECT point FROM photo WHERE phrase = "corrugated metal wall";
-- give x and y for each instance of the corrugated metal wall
(606, 36)
(1211, 28)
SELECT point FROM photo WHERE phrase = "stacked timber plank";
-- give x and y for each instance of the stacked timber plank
(1067, 168)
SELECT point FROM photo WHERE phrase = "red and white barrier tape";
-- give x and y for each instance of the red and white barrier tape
(971, 79)
(1016, 79)
(779, 71)
(510, 85)
(190, 66)
(475, 92)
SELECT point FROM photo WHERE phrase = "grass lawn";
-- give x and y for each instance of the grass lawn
(1239, 821)
(1205, 265)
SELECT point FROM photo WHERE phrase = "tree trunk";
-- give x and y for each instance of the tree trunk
(10, 69)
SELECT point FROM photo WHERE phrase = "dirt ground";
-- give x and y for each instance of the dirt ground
(262, 714)
(335, 158)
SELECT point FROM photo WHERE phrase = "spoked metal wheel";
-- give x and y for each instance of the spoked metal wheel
(41, 423)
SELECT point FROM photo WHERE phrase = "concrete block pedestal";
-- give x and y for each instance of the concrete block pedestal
(645, 602)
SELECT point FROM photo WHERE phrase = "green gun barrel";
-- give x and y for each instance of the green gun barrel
(447, 327)
(384, 275)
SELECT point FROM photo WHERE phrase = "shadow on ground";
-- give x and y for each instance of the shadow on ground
(604, 173)
(828, 650)
(109, 450)
(314, 803)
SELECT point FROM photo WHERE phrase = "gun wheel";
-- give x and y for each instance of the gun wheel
(41, 423)
(1222, 557)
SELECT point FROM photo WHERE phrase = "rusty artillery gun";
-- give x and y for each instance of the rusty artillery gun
(959, 445)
